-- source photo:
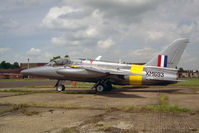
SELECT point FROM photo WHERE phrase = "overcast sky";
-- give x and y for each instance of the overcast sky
(130, 30)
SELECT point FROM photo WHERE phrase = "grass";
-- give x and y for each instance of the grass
(26, 79)
(162, 107)
(95, 119)
(22, 108)
(25, 92)
(61, 106)
(6, 111)
(80, 85)
(187, 82)
(70, 130)
(163, 100)
(110, 129)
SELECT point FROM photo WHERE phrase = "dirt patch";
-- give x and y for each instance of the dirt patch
(64, 112)
(185, 100)
(47, 121)
(120, 122)
(7, 94)
(93, 100)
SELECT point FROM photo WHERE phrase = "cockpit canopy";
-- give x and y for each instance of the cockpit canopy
(59, 62)
(62, 61)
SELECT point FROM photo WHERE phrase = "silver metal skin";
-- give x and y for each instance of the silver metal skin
(104, 73)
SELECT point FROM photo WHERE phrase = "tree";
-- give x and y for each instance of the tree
(7, 65)
(16, 65)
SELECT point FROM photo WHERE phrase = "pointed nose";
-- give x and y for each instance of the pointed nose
(25, 72)
(32, 71)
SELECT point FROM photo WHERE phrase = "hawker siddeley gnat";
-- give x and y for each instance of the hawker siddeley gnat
(160, 70)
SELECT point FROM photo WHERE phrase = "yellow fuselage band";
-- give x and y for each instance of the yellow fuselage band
(136, 79)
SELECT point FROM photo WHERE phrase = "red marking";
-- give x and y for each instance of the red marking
(91, 61)
(159, 60)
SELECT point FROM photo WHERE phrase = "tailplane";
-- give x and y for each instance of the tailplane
(170, 56)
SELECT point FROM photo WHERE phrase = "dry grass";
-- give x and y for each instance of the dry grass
(70, 130)
(162, 107)
(109, 129)
(22, 108)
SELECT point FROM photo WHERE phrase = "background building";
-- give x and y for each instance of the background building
(188, 74)
(25, 65)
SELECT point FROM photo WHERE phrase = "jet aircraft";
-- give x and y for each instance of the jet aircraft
(160, 70)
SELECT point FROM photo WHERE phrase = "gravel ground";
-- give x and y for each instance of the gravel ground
(96, 117)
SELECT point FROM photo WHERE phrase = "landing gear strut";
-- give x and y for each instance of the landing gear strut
(59, 85)
(103, 85)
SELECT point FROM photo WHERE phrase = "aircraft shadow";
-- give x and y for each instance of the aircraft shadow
(114, 94)
(119, 92)
(120, 95)
(157, 90)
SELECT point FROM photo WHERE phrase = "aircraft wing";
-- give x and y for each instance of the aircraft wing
(107, 71)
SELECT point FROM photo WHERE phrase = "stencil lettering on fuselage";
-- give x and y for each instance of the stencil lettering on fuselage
(154, 74)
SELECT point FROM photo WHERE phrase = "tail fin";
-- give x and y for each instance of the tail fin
(169, 57)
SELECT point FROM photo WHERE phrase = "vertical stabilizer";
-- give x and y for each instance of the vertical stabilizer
(170, 56)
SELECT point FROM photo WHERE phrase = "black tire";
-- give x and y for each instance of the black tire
(60, 88)
(99, 88)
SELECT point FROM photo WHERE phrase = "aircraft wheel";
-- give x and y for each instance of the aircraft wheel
(60, 88)
(99, 88)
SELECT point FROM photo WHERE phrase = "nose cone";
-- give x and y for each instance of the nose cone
(32, 71)
(25, 72)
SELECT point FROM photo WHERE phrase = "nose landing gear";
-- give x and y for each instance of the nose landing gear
(59, 85)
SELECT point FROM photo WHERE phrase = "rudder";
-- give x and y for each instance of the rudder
(170, 56)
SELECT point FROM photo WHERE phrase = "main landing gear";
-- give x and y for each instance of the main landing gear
(100, 86)
(59, 85)
(103, 85)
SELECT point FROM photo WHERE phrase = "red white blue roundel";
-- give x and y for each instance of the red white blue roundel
(162, 60)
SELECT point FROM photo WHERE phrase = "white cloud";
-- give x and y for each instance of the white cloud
(34, 51)
(57, 18)
(36, 55)
(105, 44)
(143, 55)
(147, 52)
(153, 35)
(94, 27)
(91, 32)
(4, 50)
(63, 42)
(58, 41)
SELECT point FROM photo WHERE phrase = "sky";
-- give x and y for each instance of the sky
(127, 30)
